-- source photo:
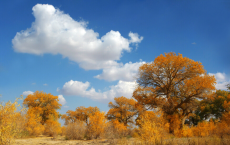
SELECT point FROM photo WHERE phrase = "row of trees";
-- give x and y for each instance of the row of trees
(174, 95)
(176, 86)
(38, 115)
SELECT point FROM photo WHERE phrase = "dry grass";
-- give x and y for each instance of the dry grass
(75, 130)
(60, 140)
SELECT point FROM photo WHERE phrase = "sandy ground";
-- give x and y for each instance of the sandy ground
(58, 141)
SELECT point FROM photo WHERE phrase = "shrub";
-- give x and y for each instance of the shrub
(9, 124)
(152, 127)
(76, 130)
(97, 125)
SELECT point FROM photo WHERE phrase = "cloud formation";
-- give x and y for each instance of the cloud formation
(127, 72)
(55, 32)
(61, 99)
(26, 93)
(221, 79)
(77, 88)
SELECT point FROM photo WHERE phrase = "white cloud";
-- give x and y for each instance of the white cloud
(127, 72)
(135, 38)
(61, 99)
(57, 33)
(194, 43)
(26, 93)
(221, 79)
(45, 84)
(76, 88)
(33, 83)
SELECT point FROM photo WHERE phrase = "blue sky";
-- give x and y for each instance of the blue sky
(88, 52)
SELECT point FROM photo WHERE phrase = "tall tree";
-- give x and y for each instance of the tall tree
(173, 83)
(123, 109)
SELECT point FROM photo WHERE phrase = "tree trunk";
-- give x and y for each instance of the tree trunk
(183, 121)
(171, 128)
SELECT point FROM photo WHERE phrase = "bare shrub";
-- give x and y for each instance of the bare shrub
(75, 130)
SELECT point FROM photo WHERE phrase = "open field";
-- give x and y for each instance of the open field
(60, 140)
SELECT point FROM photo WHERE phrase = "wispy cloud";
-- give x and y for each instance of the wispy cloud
(194, 43)
(45, 84)
(26, 93)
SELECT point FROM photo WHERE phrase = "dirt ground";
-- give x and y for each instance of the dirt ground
(58, 141)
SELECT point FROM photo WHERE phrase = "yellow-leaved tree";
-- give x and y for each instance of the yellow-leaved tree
(173, 83)
(123, 109)
(42, 113)
(81, 114)
(97, 125)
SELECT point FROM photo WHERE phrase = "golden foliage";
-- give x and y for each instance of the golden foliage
(81, 113)
(42, 113)
(44, 104)
(10, 113)
(97, 125)
(123, 109)
(153, 127)
(52, 126)
(204, 129)
(33, 124)
(173, 83)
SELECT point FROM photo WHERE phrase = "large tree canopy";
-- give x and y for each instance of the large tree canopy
(173, 83)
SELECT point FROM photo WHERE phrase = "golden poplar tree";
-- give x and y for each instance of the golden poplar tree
(123, 109)
(42, 113)
(173, 83)
(81, 113)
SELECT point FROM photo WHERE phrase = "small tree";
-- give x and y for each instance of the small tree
(42, 109)
(81, 113)
(97, 125)
(123, 109)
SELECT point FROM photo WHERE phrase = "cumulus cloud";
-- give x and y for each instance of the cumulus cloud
(26, 93)
(221, 79)
(127, 72)
(61, 99)
(55, 32)
(77, 88)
